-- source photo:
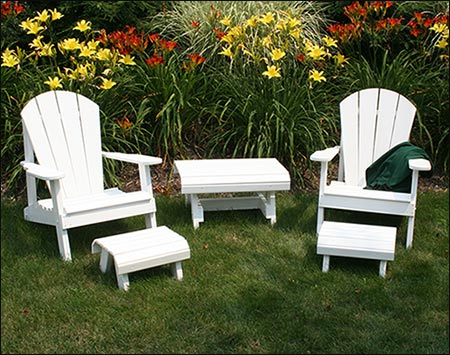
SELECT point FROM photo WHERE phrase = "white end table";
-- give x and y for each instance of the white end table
(260, 176)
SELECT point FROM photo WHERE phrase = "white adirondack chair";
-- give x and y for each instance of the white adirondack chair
(372, 121)
(62, 131)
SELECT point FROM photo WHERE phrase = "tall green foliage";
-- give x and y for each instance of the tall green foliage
(224, 78)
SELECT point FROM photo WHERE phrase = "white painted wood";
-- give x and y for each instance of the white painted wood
(325, 155)
(141, 250)
(62, 133)
(357, 241)
(177, 270)
(349, 136)
(383, 266)
(123, 282)
(372, 122)
(209, 176)
(419, 164)
(326, 263)
(232, 175)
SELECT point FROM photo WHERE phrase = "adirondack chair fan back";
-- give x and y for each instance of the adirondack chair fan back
(62, 132)
(372, 122)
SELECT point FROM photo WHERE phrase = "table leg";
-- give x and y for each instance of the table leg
(382, 271)
(267, 206)
(196, 210)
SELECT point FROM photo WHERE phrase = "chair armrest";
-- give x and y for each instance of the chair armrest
(42, 172)
(133, 158)
(419, 164)
(325, 155)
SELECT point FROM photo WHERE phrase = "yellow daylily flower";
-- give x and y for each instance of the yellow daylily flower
(251, 22)
(54, 83)
(267, 41)
(104, 54)
(340, 59)
(228, 38)
(31, 26)
(442, 43)
(86, 51)
(236, 31)
(83, 70)
(293, 22)
(226, 21)
(439, 27)
(272, 72)
(93, 44)
(227, 52)
(127, 60)
(47, 50)
(42, 16)
(282, 25)
(9, 58)
(295, 33)
(71, 74)
(83, 26)
(26, 25)
(329, 42)
(36, 43)
(56, 15)
(267, 18)
(70, 44)
(316, 52)
(277, 54)
(315, 75)
(107, 84)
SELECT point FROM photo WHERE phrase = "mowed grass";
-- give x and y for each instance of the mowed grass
(248, 287)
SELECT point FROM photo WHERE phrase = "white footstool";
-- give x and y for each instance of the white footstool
(141, 250)
(357, 241)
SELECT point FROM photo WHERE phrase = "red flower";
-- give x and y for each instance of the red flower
(167, 45)
(155, 60)
(381, 24)
(394, 21)
(196, 58)
(195, 23)
(153, 37)
(428, 22)
(6, 8)
(124, 123)
(18, 8)
(415, 32)
(301, 57)
(219, 33)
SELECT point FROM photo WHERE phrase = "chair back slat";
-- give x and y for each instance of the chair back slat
(372, 121)
(64, 130)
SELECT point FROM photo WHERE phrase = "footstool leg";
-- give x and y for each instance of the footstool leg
(196, 211)
(383, 265)
(123, 282)
(105, 261)
(177, 270)
(326, 263)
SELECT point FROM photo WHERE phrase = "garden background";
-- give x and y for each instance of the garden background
(200, 79)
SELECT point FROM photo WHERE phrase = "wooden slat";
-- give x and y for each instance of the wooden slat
(232, 175)
(368, 103)
(349, 110)
(387, 111)
(68, 107)
(406, 112)
(357, 240)
(90, 125)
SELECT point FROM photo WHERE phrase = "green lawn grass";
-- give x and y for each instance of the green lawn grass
(248, 288)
